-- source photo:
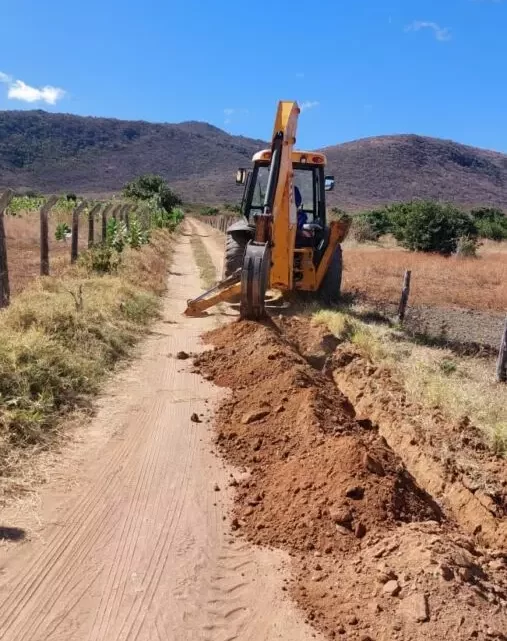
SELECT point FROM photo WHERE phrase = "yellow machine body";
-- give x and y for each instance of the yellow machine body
(273, 257)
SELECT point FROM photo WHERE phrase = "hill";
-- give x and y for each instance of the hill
(62, 152)
(373, 171)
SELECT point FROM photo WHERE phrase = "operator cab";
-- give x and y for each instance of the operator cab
(310, 184)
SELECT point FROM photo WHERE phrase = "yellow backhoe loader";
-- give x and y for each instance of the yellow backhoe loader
(283, 240)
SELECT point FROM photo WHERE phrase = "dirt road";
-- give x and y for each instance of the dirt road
(133, 542)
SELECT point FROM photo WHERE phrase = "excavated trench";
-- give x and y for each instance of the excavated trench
(387, 540)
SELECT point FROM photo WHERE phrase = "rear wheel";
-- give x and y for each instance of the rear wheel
(235, 246)
(254, 281)
(330, 289)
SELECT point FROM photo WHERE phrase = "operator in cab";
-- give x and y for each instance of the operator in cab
(303, 238)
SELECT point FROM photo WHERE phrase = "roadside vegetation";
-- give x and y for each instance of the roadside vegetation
(61, 336)
(459, 386)
(428, 226)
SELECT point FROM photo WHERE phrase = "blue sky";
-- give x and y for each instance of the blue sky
(359, 67)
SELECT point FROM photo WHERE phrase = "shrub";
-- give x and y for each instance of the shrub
(234, 208)
(371, 225)
(150, 186)
(103, 260)
(467, 247)
(379, 220)
(491, 223)
(429, 226)
(62, 229)
(362, 231)
(136, 235)
(209, 211)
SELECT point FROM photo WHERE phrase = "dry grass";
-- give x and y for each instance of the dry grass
(204, 262)
(377, 273)
(460, 386)
(23, 248)
(55, 351)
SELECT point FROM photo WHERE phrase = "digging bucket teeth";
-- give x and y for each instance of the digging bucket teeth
(220, 293)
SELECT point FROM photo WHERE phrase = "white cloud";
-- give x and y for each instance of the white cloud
(19, 90)
(229, 112)
(309, 104)
(441, 33)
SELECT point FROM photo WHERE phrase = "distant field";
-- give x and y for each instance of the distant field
(472, 283)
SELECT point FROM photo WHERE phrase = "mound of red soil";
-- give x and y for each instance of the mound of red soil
(324, 485)
(307, 490)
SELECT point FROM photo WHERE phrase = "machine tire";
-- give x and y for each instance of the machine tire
(329, 292)
(235, 246)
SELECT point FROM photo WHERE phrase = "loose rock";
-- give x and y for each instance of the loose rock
(252, 417)
(374, 466)
(391, 588)
(415, 608)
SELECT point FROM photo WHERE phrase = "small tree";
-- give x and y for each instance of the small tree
(430, 227)
(150, 186)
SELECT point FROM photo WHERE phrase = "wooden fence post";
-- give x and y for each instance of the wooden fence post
(404, 296)
(116, 211)
(44, 234)
(501, 364)
(74, 248)
(105, 213)
(126, 216)
(5, 292)
(91, 224)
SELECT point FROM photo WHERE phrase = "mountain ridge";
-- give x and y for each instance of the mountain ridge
(95, 155)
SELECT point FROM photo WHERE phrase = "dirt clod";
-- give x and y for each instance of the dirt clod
(341, 515)
(195, 418)
(252, 417)
(415, 608)
(373, 465)
(182, 356)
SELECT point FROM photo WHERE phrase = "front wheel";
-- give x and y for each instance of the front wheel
(235, 247)
(330, 289)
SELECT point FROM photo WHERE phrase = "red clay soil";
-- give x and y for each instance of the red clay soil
(450, 459)
(374, 555)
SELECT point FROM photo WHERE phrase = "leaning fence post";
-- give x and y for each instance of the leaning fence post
(5, 292)
(44, 234)
(91, 224)
(404, 296)
(75, 231)
(501, 364)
